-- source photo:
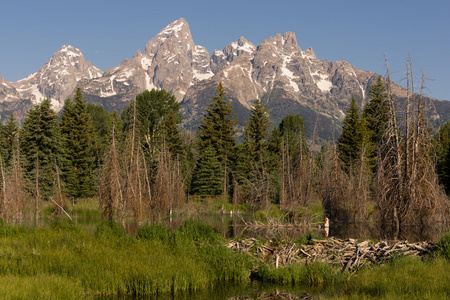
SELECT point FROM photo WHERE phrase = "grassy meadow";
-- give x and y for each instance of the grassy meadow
(63, 260)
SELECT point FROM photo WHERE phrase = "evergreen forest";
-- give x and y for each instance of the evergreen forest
(388, 165)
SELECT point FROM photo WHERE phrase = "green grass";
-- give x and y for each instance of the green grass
(64, 261)
(313, 275)
(39, 287)
(86, 208)
(111, 262)
(273, 213)
(214, 204)
(404, 278)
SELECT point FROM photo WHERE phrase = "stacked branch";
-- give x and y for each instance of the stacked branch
(348, 254)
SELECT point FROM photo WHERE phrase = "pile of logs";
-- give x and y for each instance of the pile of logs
(349, 254)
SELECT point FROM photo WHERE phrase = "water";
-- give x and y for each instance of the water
(376, 231)
(230, 291)
(237, 226)
(243, 226)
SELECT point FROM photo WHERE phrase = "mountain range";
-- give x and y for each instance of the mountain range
(287, 79)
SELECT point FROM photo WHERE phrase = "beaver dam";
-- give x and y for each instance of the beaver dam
(349, 254)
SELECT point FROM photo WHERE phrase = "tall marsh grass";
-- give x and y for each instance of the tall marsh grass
(64, 261)
(404, 278)
(111, 262)
(39, 287)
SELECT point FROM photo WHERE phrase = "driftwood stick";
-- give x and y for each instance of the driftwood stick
(61, 208)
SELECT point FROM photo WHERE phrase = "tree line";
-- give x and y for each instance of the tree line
(385, 166)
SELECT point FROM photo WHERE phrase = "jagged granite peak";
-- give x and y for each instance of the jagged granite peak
(278, 66)
(173, 62)
(170, 61)
(286, 79)
(222, 58)
(58, 78)
(176, 62)
(60, 75)
(7, 92)
(309, 54)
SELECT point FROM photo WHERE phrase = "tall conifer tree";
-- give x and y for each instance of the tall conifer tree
(79, 148)
(217, 130)
(441, 142)
(350, 141)
(40, 148)
(257, 130)
(208, 174)
(376, 113)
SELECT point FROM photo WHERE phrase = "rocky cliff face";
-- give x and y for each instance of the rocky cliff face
(56, 80)
(170, 61)
(286, 78)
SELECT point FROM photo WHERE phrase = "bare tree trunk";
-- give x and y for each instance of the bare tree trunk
(3, 198)
(37, 191)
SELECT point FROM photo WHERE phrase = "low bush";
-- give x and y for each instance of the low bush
(443, 246)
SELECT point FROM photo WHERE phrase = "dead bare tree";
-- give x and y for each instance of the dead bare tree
(258, 186)
(137, 194)
(407, 188)
(111, 184)
(334, 187)
(297, 180)
(59, 198)
(169, 191)
(125, 188)
(13, 204)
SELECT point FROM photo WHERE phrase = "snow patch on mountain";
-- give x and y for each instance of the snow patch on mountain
(322, 83)
(243, 45)
(174, 27)
(288, 73)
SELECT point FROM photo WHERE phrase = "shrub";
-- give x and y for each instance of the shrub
(443, 246)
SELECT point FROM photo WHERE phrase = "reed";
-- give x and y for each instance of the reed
(404, 278)
(39, 287)
(315, 275)
(111, 262)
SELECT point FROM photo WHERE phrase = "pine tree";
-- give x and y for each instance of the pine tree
(292, 130)
(3, 145)
(441, 142)
(217, 131)
(257, 130)
(79, 148)
(172, 135)
(217, 127)
(208, 177)
(251, 164)
(40, 148)
(350, 141)
(101, 121)
(376, 113)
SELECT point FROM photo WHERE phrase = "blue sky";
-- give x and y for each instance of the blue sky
(360, 32)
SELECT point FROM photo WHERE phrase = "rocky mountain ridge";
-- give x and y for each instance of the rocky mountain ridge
(286, 78)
